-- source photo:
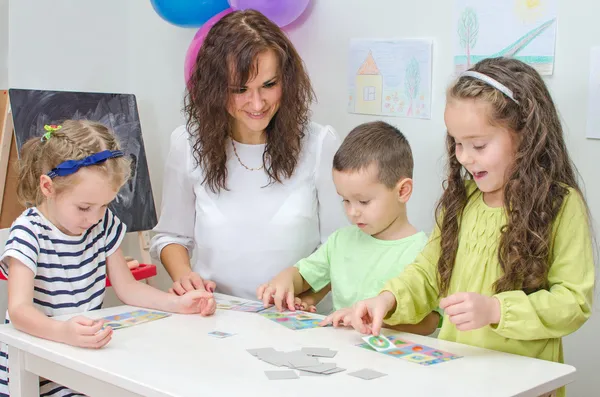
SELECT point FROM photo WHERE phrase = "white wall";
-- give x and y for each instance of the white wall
(117, 46)
(3, 85)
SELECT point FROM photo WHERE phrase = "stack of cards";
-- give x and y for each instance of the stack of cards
(406, 350)
(305, 361)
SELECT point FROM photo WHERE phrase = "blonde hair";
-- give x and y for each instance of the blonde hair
(75, 140)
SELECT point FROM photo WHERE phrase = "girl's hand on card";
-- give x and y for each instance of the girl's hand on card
(84, 332)
(367, 315)
(339, 318)
(191, 282)
(470, 310)
(196, 302)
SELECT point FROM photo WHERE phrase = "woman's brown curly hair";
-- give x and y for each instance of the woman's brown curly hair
(536, 183)
(228, 58)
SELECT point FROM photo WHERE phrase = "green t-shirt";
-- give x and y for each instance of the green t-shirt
(358, 265)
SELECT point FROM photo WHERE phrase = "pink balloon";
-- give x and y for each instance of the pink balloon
(192, 52)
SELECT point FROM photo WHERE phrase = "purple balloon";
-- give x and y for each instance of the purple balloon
(282, 12)
(192, 52)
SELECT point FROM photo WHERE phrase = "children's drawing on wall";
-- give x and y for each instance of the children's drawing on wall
(390, 77)
(521, 29)
(593, 119)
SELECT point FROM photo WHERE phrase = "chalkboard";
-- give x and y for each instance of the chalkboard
(32, 109)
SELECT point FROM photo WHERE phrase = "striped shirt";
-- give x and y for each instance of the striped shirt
(70, 271)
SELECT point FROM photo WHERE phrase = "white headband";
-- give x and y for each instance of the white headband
(490, 81)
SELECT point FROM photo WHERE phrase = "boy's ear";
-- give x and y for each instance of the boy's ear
(46, 186)
(404, 187)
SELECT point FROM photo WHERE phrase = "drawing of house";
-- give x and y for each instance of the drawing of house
(369, 87)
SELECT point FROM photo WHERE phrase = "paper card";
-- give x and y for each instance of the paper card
(367, 374)
(219, 334)
(379, 343)
(132, 318)
(301, 362)
(262, 350)
(334, 371)
(319, 352)
(293, 320)
(321, 368)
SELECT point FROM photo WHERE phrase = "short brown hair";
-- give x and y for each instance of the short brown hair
(380, 143)
(75, 140)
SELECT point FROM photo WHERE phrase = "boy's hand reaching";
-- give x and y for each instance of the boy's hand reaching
(279, 291)
(81, 331)
(367, 315)
(196, 302)
(299, 304)
(339, 318)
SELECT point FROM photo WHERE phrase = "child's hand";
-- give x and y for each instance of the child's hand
(279, 291)
(299, 304)
(367, 315)
(469, 310)
(196, 302)
(191, 282)
(84, 332)
(339, 318)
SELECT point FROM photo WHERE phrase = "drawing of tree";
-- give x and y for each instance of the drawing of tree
(412, 79)
(468, 29)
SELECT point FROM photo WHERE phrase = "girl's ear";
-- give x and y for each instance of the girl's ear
(46, 186)
(404, 188)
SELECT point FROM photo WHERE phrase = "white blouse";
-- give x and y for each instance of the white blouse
(244, 236)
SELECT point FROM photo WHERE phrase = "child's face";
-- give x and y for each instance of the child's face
(370, 204)
(82, 205)
(486, 151)
(254, 105)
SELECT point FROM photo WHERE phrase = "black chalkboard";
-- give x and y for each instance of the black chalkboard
(32, 109)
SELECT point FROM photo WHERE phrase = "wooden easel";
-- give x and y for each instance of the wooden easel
(10, 208)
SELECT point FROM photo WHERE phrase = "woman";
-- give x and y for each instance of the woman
(248, 180)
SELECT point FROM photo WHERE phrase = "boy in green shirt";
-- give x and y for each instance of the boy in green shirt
(372, 172)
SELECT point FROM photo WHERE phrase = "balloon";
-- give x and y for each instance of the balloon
(282, 12)
(192, 52)
(188, 13)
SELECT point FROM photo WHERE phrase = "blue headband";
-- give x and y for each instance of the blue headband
(72, 166)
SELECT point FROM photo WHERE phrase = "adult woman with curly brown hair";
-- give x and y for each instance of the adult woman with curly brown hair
(248, 180)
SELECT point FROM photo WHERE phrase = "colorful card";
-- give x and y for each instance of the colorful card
(220, 334)
(412, 352)
(292, 320)
(379, 343)
(130, 319)
(239, 305)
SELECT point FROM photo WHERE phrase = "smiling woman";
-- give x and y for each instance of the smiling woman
(248, 180)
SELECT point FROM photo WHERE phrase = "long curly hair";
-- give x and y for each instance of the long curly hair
(537, 181)
(228, 58)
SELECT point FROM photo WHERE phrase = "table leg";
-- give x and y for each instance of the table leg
(21, 383)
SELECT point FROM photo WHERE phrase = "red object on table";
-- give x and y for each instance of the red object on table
(139, 273)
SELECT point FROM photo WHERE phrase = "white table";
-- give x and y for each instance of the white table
(175, 357)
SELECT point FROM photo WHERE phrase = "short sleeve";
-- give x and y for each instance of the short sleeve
(22, 244)
(114, 231)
